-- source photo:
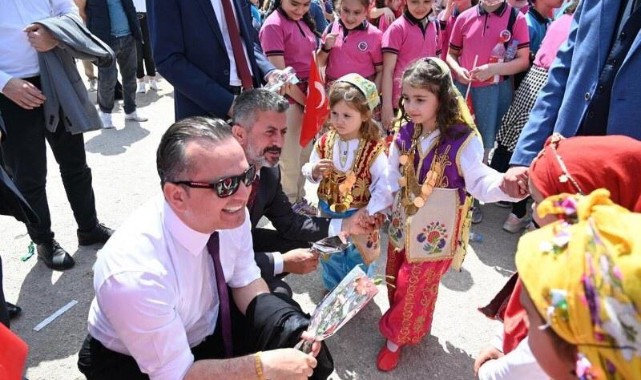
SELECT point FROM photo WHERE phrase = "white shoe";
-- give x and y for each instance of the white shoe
(515, 224)
(135, 117)
(153, 85)
(106, 120)
(93, 85)
(141, 88)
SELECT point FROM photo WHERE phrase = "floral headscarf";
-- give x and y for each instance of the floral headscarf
(589, 289)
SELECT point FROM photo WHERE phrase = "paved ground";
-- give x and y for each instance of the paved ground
(124, 176)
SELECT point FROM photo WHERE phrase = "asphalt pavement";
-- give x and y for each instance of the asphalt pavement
(124, 177)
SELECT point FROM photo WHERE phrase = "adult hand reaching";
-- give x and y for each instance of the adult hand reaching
(515, 182)
(488, 353)
(40, 38)
(360, 223)
(300, 261)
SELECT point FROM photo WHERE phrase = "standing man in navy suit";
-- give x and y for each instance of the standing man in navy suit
(208, 50)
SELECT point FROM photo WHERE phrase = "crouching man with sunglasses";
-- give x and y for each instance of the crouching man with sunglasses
(260, 124)
(178, 294)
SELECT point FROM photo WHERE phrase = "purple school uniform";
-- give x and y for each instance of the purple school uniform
(355, 51)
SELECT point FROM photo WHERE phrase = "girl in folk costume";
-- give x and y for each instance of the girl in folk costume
(435, 161)
(351, 165)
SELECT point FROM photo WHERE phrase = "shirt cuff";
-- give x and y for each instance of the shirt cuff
(335, 227)
(279, 264)
(4, 79)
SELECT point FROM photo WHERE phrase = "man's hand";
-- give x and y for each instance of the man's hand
(23, 93)
(488, 353)
(321, 168)
(300, 261)
(40, 38)
(287, 364)
(515, 182)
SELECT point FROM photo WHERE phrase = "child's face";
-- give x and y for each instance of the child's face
(421, 105)
(346, 119)
(419, 8)
(352, 13)
(295, 9)
(554, 355)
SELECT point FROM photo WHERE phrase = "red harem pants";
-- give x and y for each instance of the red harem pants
(412, 302)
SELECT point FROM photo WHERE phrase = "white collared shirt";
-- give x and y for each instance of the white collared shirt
(234, 78)
(481, 181)
(17, 58)
(156, 288)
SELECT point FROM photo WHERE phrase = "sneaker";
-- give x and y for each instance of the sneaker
(93, 85)
(477, 215)
(106, 120)
(304, 208)
(97, 235)
(153, 85)
(141, 88)
(54, 256)
(515, 224)
(504, 204)
(135, 117)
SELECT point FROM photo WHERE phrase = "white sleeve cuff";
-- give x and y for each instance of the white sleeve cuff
(279, 264)
(335, 227)
(4, 79)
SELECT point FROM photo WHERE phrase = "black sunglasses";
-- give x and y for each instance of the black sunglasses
(226, 186)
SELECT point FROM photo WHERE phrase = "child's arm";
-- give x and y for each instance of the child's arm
(327, 43)
(378, 78)
(481, 181)
(387, 111)
(386, 12)
(314, 169)
(380, 190)
(462, 74)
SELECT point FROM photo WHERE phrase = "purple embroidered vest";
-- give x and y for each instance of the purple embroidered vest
(448, 150)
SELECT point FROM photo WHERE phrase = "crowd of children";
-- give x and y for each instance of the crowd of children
(425, 65)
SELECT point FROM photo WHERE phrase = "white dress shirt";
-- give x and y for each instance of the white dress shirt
(141, 6)
(480, 180)
(518, 364)
(234, 78)
(17, 58)
(381, 193)
(156, 288)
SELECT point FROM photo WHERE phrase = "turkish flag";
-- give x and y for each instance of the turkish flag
(316, 105)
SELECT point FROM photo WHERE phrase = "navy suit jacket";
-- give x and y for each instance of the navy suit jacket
(189, 52)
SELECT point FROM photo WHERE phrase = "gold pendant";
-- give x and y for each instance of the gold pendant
(403, 159)
(419, 202)
(402, 182)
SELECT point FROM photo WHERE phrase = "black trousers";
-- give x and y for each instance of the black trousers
(97, 362)
(143, 50)
(25, 157)
(4, 313)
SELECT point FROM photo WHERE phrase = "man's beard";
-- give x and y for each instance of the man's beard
(260, 160)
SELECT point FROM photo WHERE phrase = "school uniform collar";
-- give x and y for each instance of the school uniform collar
(498, 11)
(413, 20)
(361, 26)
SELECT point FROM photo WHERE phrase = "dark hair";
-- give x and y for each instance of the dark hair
(343, 91)
(249, 103)
(171, 161)
(427, 74)
(307, 17)
(571, 8)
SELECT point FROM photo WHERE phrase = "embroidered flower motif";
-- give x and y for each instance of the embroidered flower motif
(623, 326)
(434, 236)
(592, 299)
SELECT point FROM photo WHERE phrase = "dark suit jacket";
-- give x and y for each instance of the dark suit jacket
(189, 51)
(292, 230)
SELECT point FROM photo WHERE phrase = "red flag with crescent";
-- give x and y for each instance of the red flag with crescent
(316, 105)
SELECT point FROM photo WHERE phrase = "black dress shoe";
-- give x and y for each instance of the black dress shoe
(99, 234)
(54, 256)
(14, 310)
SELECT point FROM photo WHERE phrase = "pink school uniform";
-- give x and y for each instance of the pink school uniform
(355, 51)
(291, 39)
(409, 40)
(476, 32)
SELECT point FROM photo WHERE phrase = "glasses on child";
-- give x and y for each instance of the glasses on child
(226, 186)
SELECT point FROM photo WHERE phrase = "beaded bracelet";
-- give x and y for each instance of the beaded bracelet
(259, 366)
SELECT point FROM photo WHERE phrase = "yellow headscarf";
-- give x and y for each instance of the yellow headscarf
(584, 275)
